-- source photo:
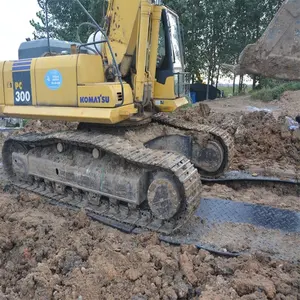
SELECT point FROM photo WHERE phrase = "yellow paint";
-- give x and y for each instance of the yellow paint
(66, 95)
(122, 15)
(89, 69)
(8, 83)
(128, 57)
(134, 28)
(71, 114)
(33, 86)
(104, 92)
(1, 83)
(156, 16)
(170, 105)
(165, 91)
(142, 46)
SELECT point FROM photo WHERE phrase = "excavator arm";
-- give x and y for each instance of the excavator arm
(277, 53)
(128, 25)
(139, 30)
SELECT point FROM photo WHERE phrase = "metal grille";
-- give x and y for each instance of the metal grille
(182, 84)
(215, 211)
(232, 227)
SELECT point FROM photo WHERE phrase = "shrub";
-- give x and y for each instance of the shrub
(270, 94)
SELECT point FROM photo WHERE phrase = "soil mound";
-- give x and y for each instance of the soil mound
(50, 253)
(259, 136)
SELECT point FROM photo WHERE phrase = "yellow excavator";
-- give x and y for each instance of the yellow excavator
(127, 77)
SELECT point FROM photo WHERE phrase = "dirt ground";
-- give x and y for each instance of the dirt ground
(51, 253)
(274, 195)
(288, 104)
(262, 138)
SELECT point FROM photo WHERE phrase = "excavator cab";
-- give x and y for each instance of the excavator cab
(170, 57)
(154, 57)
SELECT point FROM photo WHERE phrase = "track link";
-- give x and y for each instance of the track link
(220, 135)
(115, 211)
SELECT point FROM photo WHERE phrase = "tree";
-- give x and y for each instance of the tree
(64, 18)
(215, 31)
(252, 18)
(192, 19)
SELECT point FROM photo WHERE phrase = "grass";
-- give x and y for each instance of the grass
(229, 89)
(270, 94)
(25, 121)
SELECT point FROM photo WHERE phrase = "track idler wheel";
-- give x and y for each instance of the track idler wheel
(164, 197)
(210, 158)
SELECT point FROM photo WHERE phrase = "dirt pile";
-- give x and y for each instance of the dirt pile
(50, 253)
(48, 126)
(202, 114)
(259, 136)
(289, 103)
(198, 113)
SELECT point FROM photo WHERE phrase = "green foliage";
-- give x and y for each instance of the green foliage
(269, 83)
(215, 31)
(64, 18)
(25, 121)
(275, 92)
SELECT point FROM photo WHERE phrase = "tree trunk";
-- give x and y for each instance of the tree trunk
(218, 77)
(208, 82)
(254, 82)
(233, 87)
(241, 84)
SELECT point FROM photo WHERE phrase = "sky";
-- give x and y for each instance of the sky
(14, 25)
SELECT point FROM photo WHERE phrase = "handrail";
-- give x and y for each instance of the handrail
(96, 25)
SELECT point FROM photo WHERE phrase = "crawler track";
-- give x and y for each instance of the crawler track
(223, 138)
(112, 210)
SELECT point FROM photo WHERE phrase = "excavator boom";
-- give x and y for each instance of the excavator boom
(277, 53)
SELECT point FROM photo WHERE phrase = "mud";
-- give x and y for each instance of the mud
(51, 253)
(261, 141)
(261, 138)
(274, 195)
(48, 126)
